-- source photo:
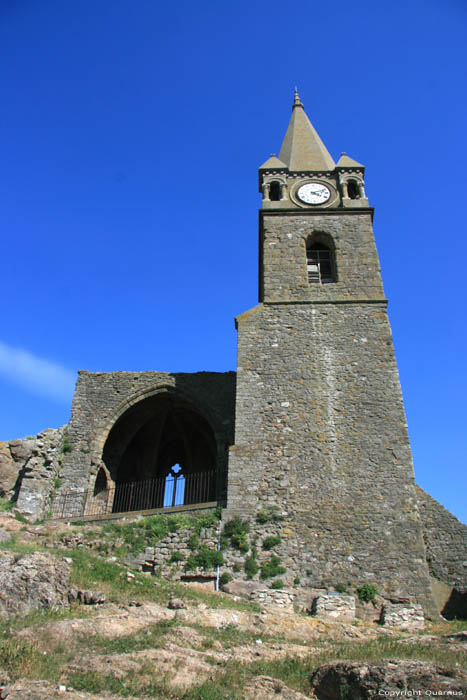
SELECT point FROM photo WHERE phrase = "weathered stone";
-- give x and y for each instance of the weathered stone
(32, 581)
(342, 680)
(22, 450)
(176, 604)
(72, 595)
(403, 616)
(8, 470)
(97, 598)
(446, 550)
(245, 589)
(37, 462)
(334, 605)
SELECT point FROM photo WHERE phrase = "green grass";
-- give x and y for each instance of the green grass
(37, 618)
(90, 571)
(6, 505)
(130, 685)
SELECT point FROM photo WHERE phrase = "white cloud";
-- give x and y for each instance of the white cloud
(35, 374)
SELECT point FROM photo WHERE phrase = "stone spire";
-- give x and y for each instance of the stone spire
(302, 148)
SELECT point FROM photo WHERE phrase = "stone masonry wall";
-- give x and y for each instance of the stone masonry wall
(283, 271)
(445, 540)
(101, 398)
(321, 433)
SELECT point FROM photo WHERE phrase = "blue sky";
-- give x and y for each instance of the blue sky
(131, 137)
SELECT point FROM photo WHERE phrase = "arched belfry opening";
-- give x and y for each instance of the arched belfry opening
(161, 452)
(320, 259)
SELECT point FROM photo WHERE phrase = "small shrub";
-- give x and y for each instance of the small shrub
(236, 568)
(309, 572)
(270, 542)
(251, 567)
(272, 568)
(277, 583)
(235, 533)
(193, 542)
(240, 542)
(267, 515)
(367, 593)
(176, 557)
(205, 558)
(225, 578)
(67, 447)
(57, 482)
(236, 526)
(340, 587)
(296, 581)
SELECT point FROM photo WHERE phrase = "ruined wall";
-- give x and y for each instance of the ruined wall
(102, 397)
(29, 469)
(445, 540)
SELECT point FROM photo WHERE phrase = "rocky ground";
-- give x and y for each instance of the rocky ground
(78, 623)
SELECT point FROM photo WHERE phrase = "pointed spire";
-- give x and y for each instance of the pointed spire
(302, 148)
(297, 101)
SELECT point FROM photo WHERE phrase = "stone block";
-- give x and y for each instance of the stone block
(335, 605)
(403, 616)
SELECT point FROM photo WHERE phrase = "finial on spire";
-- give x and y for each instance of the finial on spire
(297, 101)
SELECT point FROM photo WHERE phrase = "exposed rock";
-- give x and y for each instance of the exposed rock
(32, 581)
(37, 461)
(403, 616)
(85, 597)
(342, 680)
(176, 604)
(179, 666)
(266, 688)
(8, 470)
(22, 450)
(242, 588)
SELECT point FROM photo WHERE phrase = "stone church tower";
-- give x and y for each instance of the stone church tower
(311, 429)
(320, 428)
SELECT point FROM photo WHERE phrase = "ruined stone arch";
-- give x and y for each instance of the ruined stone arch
(150, 433)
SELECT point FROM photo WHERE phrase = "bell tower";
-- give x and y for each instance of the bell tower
(320, 428)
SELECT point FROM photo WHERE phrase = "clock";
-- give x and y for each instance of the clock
(313, 193)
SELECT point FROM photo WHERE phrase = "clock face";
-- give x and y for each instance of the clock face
(314, 193)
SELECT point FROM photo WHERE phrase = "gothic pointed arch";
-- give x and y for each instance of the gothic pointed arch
(151, 437)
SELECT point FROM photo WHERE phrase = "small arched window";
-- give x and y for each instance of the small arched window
(100, 485)
(320, 263)
(174, 490)
(275, 191)
(353, 189)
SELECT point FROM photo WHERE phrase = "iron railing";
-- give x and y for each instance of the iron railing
(163, 492)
